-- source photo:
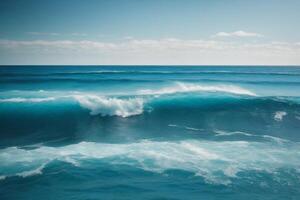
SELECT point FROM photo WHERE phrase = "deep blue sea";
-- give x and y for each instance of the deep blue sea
(149, 132)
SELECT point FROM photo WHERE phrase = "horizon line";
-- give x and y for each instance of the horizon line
(151, 65)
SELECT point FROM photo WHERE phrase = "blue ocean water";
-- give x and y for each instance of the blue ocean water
(149, 132)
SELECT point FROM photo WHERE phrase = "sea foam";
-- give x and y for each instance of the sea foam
(216, 162)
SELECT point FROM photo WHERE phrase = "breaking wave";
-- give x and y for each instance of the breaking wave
(111, 106)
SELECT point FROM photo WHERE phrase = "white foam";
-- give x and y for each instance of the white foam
(180, 87)
(30, 100)
(279, 115)
(111, 106)
(172, 125)
(217, 162)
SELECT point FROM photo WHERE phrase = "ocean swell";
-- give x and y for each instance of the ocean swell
(126, 105)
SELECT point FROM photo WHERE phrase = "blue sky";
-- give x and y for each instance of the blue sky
(149, 32)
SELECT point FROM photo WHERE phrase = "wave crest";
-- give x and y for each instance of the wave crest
(111, 106)
(29, 100)
(189, 87)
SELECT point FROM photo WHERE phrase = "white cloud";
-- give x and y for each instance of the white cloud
(43, 33)
(149, 51)
(127, 45)
(237, 34)
(79, 34)
(56, 34)
(128, 38)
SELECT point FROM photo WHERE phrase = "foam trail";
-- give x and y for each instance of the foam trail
(272, 138)
(217, 162)
(225, 133)
(189, 87)
(192, 128)
(111, 106)
(185, 127)
(276, 139)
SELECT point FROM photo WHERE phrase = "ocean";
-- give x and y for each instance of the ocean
(149, 132)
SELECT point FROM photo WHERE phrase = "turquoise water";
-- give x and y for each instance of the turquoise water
(149, 132)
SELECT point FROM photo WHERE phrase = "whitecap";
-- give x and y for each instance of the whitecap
(279, 115)
(111, 106)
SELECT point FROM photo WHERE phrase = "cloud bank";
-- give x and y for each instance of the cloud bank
(147, 51)
(237, 34)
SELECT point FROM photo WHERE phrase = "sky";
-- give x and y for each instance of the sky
(150, 32)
